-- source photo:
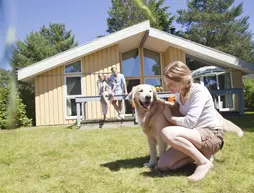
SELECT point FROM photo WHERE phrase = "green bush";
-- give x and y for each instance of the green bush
(248, 92)
(18, 113)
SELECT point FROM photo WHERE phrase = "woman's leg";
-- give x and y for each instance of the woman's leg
(104, 97)
(189, 142)
(104, 109)
(173, 159)
(116, 108)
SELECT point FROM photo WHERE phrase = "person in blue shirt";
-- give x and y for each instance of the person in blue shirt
(118, 84)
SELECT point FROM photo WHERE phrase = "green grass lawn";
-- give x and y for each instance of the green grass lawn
(60, 159)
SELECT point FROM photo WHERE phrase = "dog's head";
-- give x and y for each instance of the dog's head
(143, 95)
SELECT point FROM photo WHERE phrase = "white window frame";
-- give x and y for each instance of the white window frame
(71, 96)
(155, 76)
(160, 61)
(217, 80)
(73, 73)
(121, 63)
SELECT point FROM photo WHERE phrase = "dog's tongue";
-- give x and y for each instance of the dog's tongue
(146, 104)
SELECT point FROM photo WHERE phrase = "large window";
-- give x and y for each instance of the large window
(152, 63)
(131, 68)
(130, 63)
(153, 81)
(73, 87)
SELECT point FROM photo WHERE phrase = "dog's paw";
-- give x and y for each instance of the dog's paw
(150, 164)
(156, 168)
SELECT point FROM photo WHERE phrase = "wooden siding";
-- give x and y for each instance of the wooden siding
(49, 88)
(170, 55)
(49, 98)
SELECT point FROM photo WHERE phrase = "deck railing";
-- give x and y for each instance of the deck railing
(81, 100)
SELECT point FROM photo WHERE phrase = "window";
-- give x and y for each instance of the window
(219, 81)
(73, 88)
(131, 68)
(130, 63)
(154, 81)
(73, 85)
(71, 107)
(152, 63)
(73, 68)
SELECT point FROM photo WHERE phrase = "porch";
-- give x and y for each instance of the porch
(81, 102)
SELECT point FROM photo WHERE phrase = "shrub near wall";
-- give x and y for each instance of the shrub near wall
(19, 118)
(248, 92)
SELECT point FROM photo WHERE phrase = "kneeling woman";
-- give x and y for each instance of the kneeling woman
(198, 134)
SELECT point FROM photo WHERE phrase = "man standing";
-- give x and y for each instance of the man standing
(119, 87)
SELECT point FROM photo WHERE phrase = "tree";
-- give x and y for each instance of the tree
(218, 24)
(248, 92)
(18, 118)
(12, 109)
(38, 46)
(4, 77)
(125, 13)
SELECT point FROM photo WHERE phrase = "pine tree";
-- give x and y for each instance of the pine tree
(36, 47)
(125, 13)
(218, 24)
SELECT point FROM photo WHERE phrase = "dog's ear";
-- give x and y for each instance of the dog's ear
(154, 93)
(130, 96)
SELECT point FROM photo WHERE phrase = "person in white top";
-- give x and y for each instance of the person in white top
(117, 80)
(104, 89)
(197, 134)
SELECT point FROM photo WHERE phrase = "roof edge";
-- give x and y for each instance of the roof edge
(191, 48)
(32, 70)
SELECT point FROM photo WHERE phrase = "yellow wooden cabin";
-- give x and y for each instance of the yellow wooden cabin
(140, 52)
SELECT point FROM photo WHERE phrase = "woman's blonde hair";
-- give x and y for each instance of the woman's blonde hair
(179, 72)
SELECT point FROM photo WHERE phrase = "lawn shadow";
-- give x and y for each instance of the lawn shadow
(245, 122)
(126, 163)
(186, 170)
(138, 163)
(73, 126)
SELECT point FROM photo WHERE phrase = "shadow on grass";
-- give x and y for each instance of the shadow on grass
(126, 163)
(246, 122)
(138, 163)
(186, 170)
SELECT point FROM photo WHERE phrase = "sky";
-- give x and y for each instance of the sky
(86, 18)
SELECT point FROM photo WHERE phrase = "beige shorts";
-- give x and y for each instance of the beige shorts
(212, 140)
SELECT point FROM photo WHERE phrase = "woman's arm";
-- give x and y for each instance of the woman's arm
(197, 99)
(124, 85)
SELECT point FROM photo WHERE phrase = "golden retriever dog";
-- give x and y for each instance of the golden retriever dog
(152, 114)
